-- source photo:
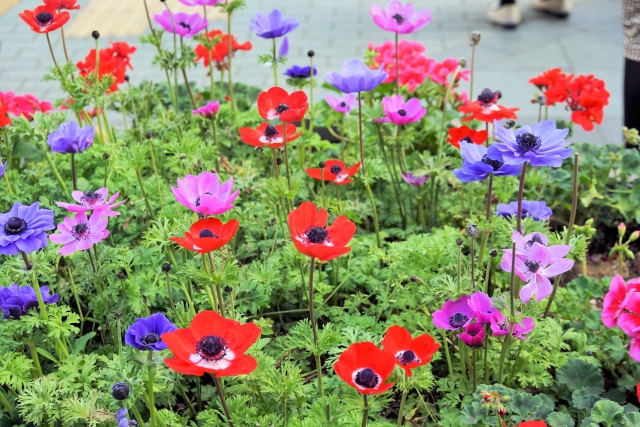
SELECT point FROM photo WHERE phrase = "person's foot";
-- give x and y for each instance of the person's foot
(507, 16)
(559, 8)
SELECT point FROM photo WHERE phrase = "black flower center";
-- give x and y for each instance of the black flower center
(197, 203)
(343, 104)
(271, 132)
(399, 19)
(488, 97)
(80, 228)
(528, 142)
(91, 197)
(335, 169)
(495, 164)
(212, 347)
(467, 139)
(473, 332)
(150, 339)
(535, 239)
(503, 326)
(458, 320)
(282, 108)
(402, 113)
(532, 265)
(366, 378)
(317, 234)
(185, 25)
(15, 225)
(207, 233)
(44, 19)
(407, 357)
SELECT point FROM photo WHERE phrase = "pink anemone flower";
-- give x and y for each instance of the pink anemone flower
(209, 110)
(342, 105)
(473, 335)
(482, 307)
(204, 194)
(399, 112)
(97, 201)
(615, 300)
(454, 314)
(524, 244)
(500, 326)
(398, 18)
(79, 233)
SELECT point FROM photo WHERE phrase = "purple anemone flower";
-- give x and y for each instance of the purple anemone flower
(480, 162)
(399, 19)
(482, 307)
(541, 144)
(399, 112)
(182, 24)
(204, 194)
(454, 314)
(24, 228)
(273, 25)
(3, 169)
(500, 326)
(534, 209)
(122, 418)
(298, 72)
(284, 48)
(355, 77)
(71, 139)
(473, 335)
(17, 300)
(145, 333)
(415, 180)
(209, 110)
(342, 105)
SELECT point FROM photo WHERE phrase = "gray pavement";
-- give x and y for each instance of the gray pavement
(588, 42)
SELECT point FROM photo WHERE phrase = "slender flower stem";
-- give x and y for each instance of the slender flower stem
(397, 73)
(473, 61)
(230, 55)
(136, 413)
(444, 111)
(364, 170)
(218, 290)
(475, 369)
(155, 171)
(53, 56)
(64, 44)
(34, 357)
(73, 171)
(365, 412)
(170, 295)
(75, 294)
(487, 276)
(403, 400)
(55, 171)
(487, 217)
(222, 400)
(276, 167)
(146, 8)
(486, 350)
(175, 54)
(446, 352)
(376, 225)
(460, 267)
(286, 153)
(214, 128)
(144, 194)
(186, 80)
(544, 185)
(505, 346)
(152, 406)
(392, 174)
(311, 110)
(275, 64)
(462, 354)
(311, 314)
(473, 264)
(119, 332)
(520, 196)
(5, 402)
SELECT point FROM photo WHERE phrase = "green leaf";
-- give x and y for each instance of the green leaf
(632, 419)
(474, 414)
(578, 374)
(583, 400)
(82, 342)
(560, 419)
(25, 150)
(606, 411)
(46, 354)
(615, 349)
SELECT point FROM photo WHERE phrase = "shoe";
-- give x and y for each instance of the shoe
(559, 8)
(507, 16)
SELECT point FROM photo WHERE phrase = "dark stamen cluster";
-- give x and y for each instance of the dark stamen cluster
(91, 197)
(212, 347)
(207, 233)
(402, 113)
(150, 339)
(185, 25)
(15, 225)
(458, 320)
(532, 265)
(399, 19)
(197, 203)
(528, 142)
(80, 229)
(44, 19)
(408, 356)
(282, 108)
(488, 97)
(317, 235)
(335, 169)
(535, 239)
(367, 378)
(343, 104)
(271, 132)
(495, 164)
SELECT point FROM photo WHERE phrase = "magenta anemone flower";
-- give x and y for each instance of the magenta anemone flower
(209, 110)
(524, 243)
(473, 335)
(482, 307)
(342, 105)
(415, 180)
(204, 194)
(500, 326)
(618, 296)
(80, 233)
(454, 314)
(97, 201)
(399, 112)
(182, 24)
(400, 19)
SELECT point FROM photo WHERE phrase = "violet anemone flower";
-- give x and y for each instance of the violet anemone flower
(298, 72)
(204, 194)
(480, 162)
(399, 112)
(454, 314)
(284, 49)
(273, 25)
(342, 105)
(201, 2)
(209, 110)
(355, 77)
(500, 326)
(3, 169)
(80, 233)
(71, 139)
(399, 19)
(24, 228)
(122, 418)
(524, 244)
(534, 209)
(182, 24)
(17, 300)
(473, 335)
(415, 180)
(97, 201)
(482, 307)
(541, 144)
(145, 333)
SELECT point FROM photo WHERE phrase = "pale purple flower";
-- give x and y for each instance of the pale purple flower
(24, 228)
(400, 19)
(209, 110)
(415, 180)
(182, 24)
(479, 162)
(524, 243)
(273, 25)
(534, 209)
(98, 201)
(69, 138)
(80, 233)
(3, 168)
(284, 48)
(146, 332)
(355, 77)
(482, 307)
(201, 2)
(204, 194)
(399, 112)
(454, 314)
(18, 300)
(473, 335)
(500, 327)
(342, 105)
(122, 418)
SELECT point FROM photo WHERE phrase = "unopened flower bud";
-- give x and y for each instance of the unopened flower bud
(459, 242)
(322, 164)
(493, 253)
(120, 391)
(472, 230)
(126, 78)
(122, 275)
(117, 315)
(311, 54)
(197, 166)
(228, 289)
(475, 37)
(183, 156)
(148, 134)
(278, 161)
(634, 236)
(509, 124)
(499, 94)
(239, 264)
(166, 267)
(502, 412)
(413, 279)
(542, 100)
(462, 62)
(95, 35)
(105, 156)
(622, 229)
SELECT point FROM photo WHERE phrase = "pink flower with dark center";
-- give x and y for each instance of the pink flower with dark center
(398, 18)
(342, 105)
(500, 326)
(97, 201)
(79, 233)
(454, 314)
(482, 307)
(615, 300)
(208, 111)
(473, 335)
(400, 112)
(204, 194)
(524, 243)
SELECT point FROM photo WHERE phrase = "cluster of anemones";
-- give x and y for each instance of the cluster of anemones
(22, 105)
(621, 307)
(112, 61)
(219, 52)
(50, 16)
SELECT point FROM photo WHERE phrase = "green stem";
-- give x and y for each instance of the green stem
(55, 172)
(365, 412)
(221, 395)
(447, 353)
(473, 60)
(5, 402)
(170, 294)
(214, 128)
(73, 172)
(34, 357)
(397, 75)
(503, 353)
(444, 112)
(144, 194)
(545, 183)
(487, 217)
(218, 291)
(475, 370)
(403, 400)
(485, 370)
(375, 213)
(136, 413)
(152, 406)
(155, 170)
(230, 55)
(286, 153)
(275, 64)
(75, 294)
(311, 109)
(364, 170)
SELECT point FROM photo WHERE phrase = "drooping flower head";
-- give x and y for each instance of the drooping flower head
(182, 24)
(277, 103)
(146, 332)
(500, 327)
(480, 162)
(313, 238)
(487, 109)
(16, 301)
(207, 235)
(355, 77)
(44, 19)
(212, 344)
(219, 53)
(398, 18)
(80, 233)
(272, 25)
(204, 194)
(409, 352)
(24, 228)
(615, 300)
(268, 135)
(342, 105)
(399, 112)
(298, 72)
(533, 209)
(365, 367)
(465, 133)
(482, 307)
(454, 314)
(473, 335)
(208, 110)
(71, 139)
(415, 180)
(335, 171)
(97, 201)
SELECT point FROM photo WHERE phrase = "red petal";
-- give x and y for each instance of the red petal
(186, 243)
(181, 342)
(241, 365)
(209, 322)
(341, 231)
(186, 368)
(396, 339)
(327, 253)
(315, 173)
(248, 334)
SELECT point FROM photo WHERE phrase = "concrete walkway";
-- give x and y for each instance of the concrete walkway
(588, 42)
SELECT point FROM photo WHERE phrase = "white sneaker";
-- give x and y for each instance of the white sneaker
(559, 8)
(507, 16)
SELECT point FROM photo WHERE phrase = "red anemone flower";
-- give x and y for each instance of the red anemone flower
(532, 424)
(465, 133)
(212, 344)
(4, 118)
(276, 102)
(487, 113)
(220, 51)
(334, 171)
(44, 19)
(62, 4)
(268, 135)
(365, 367)
(409, 353)
(207, 235)
(311, 236)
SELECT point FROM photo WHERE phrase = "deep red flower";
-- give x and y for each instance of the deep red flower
(587, 99)
(207, 235)
(409, 353)
(311, 236)
(62, 4)
(365, 367)
(220, 51)
(268, 135)
(487, 113)
(638, 391)
(547, 79)
(44, 19)
(465, 133)
(114, 61)
(4, 119)
(277, 103)
(334, 171)
(212, 344)
(532, 424)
